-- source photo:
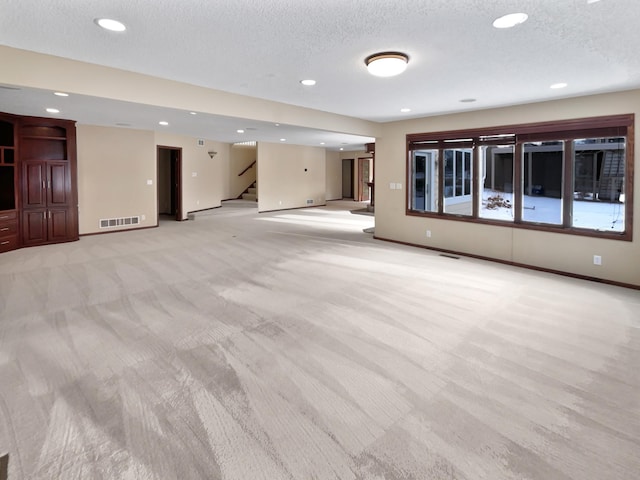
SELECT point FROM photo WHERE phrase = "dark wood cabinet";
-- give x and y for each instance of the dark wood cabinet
(38, 191)
(9, 234)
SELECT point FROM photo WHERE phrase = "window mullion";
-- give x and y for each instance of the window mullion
(440, 180)
(567, 185)
(476, 191)
(518, 182)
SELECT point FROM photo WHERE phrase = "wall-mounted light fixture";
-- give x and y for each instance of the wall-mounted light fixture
(386, 64)
(212, 153)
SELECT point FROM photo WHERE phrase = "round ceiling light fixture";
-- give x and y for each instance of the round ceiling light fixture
(110, 24)
(386, 64)
(510, 20)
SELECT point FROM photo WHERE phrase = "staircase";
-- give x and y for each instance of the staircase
(251, 193)
(611, 176)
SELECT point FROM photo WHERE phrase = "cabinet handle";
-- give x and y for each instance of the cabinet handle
(5, 242)
(49, 214)
(4, 229)
(44, 186)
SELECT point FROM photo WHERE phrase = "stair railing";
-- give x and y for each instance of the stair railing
(246, 169)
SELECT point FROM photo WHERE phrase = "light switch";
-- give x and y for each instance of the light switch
(194, 174)
(398, 186)
(149, 182)
(392, 186)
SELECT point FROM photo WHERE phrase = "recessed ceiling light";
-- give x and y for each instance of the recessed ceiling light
(593, 1)
(277, 124)
(283, 139)
(341, 149)
(163, 123)
(468, 100)
(386, 64)
(558, 85)
(321, 143)
(61, 94)
(240, 130)
(308, 83)
(405, 110)
(510, 20)
(53, 110)
(192, 113)
(110, 24)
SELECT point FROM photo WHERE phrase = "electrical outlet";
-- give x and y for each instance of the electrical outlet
(428, 233)
(597, 260)
(143, 217)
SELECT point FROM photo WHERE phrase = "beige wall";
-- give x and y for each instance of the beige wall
(334, 175)
(114, 165)
(282, 179)
(568, 253)
(240, 158)
(31, 69)
(203, 177)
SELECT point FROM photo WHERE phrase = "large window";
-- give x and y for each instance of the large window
(566, 176)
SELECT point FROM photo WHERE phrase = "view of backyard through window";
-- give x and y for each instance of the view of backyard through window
(597, 166)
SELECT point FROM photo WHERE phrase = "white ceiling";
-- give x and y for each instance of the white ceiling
(263, 48)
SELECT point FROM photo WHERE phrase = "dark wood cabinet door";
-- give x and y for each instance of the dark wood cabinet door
(58, 184)
(58, 224)
(34, 226)
(34, 178)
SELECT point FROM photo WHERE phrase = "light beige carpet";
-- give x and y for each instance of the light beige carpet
(292, 345)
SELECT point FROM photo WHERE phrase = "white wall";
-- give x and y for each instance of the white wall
(555, 251)
(289, 175)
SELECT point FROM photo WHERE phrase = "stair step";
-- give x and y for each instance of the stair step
(252, 190)
(250, 196)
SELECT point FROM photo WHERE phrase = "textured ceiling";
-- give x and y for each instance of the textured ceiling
(263, 48)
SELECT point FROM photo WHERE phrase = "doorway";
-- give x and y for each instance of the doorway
(365, 176)
(347, 178)
(169, 182)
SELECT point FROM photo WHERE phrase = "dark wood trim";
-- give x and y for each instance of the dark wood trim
(515, 264)
(440, 168)
(178, 179)
(567, 184)
(561, 129)
(247, 169)
(475, 183)
(295, 208)
(118, 231)
(518, 182)
(4, 466)
(628, 180)
(207, 209)
(540, 227)
(566, 130)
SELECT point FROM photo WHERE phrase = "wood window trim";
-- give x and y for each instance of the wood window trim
(564, 130)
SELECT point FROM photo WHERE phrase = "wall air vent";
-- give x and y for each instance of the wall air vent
(119, 222)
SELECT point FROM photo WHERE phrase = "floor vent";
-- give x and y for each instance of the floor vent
(119, 222)
(449, 256)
